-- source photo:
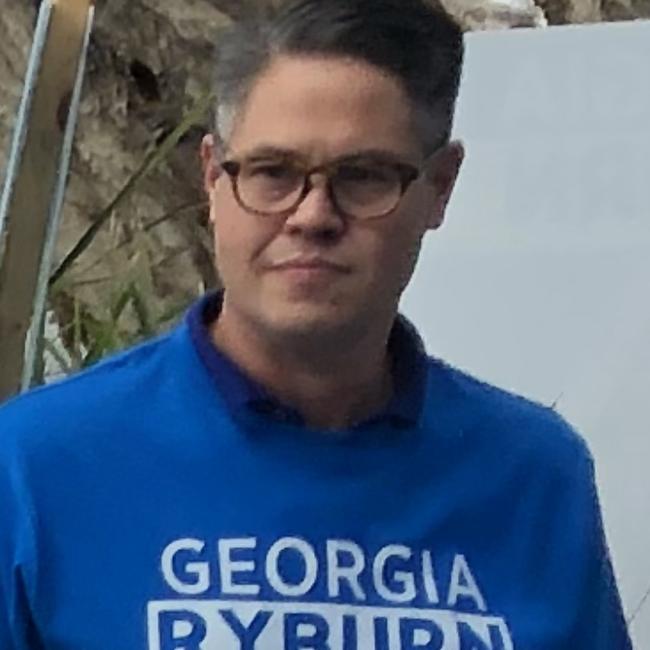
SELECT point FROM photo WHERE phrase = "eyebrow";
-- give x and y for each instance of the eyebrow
(266, 152)
(378, 154)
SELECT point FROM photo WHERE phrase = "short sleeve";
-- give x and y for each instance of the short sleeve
(600, 624)
(17, 559)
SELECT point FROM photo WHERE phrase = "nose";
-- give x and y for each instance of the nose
(316, 216)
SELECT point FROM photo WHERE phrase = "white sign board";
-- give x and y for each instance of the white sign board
(540, 280)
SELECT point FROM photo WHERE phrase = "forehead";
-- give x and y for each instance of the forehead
(325, 107)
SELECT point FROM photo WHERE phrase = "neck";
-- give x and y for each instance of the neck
(332, 383)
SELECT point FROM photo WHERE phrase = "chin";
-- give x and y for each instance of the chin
(308, 319)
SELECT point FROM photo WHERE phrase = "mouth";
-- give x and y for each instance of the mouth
(309, 274)
(310, 266)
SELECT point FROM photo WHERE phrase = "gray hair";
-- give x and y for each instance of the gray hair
(416, 43)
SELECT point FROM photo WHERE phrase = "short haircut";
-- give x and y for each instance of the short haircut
(417, 43)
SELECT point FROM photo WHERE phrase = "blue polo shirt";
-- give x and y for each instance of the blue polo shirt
(409, 361)
(150, 503)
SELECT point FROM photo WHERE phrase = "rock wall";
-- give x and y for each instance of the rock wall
(148, 61)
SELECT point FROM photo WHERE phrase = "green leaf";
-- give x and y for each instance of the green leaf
(142, 312)
(194, 116)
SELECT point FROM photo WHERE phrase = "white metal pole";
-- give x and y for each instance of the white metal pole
(33, 191)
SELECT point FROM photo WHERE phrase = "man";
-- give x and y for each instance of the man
(287, 469)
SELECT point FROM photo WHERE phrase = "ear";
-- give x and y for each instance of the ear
(442, 171)
(210, 153)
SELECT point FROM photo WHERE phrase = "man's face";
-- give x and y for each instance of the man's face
(315, 270)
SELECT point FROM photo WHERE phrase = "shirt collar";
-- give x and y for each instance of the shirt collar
(241, 391)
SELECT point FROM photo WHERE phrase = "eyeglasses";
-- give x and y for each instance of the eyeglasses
(358, 187)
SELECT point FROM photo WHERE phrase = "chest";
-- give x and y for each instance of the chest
(240, 555)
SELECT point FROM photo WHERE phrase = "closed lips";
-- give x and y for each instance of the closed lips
(309, 264)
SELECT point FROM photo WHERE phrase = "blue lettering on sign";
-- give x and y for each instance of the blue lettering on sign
(189, 641)
(408, 629)
(317, 640)
(246, 635)
(469, 640)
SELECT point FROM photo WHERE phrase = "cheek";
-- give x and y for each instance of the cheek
(228, 231)
(405, 250)
(405, 230)
(412, 224)
(399, 251)
(239, 237)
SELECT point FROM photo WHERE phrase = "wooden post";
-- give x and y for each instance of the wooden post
(35, 178)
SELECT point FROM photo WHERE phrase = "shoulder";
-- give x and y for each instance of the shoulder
(90, 401)
(507, 425)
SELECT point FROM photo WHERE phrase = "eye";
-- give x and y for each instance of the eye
(364, 174)
(272, 171)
